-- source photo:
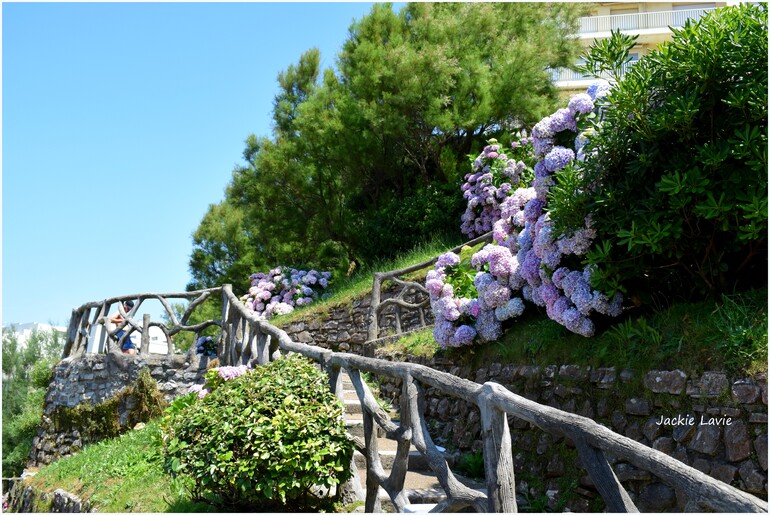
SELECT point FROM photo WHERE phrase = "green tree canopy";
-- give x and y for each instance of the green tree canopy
(365, 160)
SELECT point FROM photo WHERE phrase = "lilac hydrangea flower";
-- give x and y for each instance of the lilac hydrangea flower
(533, 210)
(510, 309)
(446, 308)
(488, 327)
(543, 129)
(563, 120)
(448, 259)
(443, 333)
(228, 373)
(199, 389)
(558, 158)
(495, 294)
(582, 103)
(464, 335)
(500, 260)
(472, 308)
(598, 89)
(541, 146)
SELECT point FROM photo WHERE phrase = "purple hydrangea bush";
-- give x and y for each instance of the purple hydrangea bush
(282, 289)
(528, 261)
(496, 173)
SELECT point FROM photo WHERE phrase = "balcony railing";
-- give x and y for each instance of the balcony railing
(638, 21)
(565, 74)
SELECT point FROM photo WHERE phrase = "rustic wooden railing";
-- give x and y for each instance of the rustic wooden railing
(398, 304)
(85, 319)
(247, 339)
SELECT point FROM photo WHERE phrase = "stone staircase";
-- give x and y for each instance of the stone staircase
(423, 489)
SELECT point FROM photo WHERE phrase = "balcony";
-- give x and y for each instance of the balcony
(639, 21)
(563, 76)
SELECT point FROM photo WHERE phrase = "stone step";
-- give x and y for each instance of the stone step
(423, 491)
(417, 462)
(352, 406)
(419, 508)
(349, 395)
(355, 426)
(387, 451)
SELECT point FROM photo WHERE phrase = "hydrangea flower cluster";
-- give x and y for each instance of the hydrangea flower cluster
(496, 173)
(216, 376)
(206, 346)
(527, 259)
(455, 316)
(461, 320)
(282, 289)
(199, 389)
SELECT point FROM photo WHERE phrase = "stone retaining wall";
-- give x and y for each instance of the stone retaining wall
(95, 378)
(25, 499)
(345, 328)
(713, 423)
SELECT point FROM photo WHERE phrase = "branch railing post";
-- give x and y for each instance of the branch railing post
(71, 333)
(146, 334)
(498, 456)
(615, 496)
(374, 324)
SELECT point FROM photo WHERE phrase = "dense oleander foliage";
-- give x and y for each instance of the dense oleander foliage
(259, 439)
(365, 159)
(678, 189)
(655, 186)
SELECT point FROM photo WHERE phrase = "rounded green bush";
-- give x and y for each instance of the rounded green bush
(262, 439)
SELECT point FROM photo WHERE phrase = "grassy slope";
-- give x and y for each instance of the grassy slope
(728, 335)
(725, 334)
(123, 474)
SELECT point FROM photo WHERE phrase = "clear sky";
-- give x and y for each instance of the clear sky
(121, 123)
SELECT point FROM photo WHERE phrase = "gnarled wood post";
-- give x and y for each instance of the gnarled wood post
(146, 335)
(615, 496)
(498, 456)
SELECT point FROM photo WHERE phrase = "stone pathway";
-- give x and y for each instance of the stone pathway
(423, 488)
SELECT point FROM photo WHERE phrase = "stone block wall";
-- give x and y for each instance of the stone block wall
(95, 378)
(345, 328)
(713, 423)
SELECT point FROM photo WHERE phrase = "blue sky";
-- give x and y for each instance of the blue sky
(121, 123)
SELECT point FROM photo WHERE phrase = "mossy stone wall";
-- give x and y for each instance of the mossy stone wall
(87, 398)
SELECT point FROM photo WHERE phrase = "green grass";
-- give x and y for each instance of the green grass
(729, 335)
(123, 474)
(346, 289)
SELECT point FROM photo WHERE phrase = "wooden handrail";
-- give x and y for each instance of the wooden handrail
(92, 313)
(379, 279)
(249, 339)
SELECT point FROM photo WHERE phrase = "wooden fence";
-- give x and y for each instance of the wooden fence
(398, 304)
(247, 339)
(92, 318)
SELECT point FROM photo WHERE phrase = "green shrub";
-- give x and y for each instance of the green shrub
(19, 430)
(472, 465)
(678, 185)
(42, 372)
(263, 439)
